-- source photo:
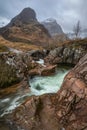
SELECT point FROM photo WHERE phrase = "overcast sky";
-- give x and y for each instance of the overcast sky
(66, 12)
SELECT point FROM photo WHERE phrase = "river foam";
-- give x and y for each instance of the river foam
(47, 84)
(39, 85)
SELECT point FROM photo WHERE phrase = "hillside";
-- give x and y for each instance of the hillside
(6, 45)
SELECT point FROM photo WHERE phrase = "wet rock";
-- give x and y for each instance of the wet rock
(49, 70)
(36, 113)
(34, 72)
(71, 99)
(42, 70)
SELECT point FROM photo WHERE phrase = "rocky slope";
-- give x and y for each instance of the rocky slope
(25, 28)
(68, 53)
(13, 68)
(65, 110)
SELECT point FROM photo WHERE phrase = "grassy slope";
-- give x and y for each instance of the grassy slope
(4, 44)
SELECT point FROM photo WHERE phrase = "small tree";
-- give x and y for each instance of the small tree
(77, 29)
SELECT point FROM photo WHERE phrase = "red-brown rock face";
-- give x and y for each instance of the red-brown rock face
(66, 110)
(72, 98)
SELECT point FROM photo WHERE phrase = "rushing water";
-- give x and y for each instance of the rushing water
(39, 85)
(48, 84)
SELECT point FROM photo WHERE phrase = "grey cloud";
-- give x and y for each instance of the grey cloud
(66, 12)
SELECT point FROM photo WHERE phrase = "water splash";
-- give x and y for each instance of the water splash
(47, 84)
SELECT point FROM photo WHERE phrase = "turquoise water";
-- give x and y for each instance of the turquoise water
(48, 84)
(39, 85)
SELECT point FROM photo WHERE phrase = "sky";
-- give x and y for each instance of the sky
(66, 12)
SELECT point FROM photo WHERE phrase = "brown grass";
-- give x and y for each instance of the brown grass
(76, 43)
(17, 45)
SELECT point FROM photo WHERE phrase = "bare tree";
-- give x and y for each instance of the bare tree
(77, 29)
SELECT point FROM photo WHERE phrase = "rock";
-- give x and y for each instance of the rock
(65, 110)
(8, 74)
(3, 126)
(36, 114)
(14, 68)
(34, 72)
(21, 89)
(49, 70)
(38, 54)
(71, 111)
(69, 53)
(42, 70)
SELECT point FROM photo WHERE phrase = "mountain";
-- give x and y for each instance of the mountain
(27, 16)
(52, 26)
(26, 28)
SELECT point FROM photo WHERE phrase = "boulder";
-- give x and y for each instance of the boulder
(14, 68)
(34, 72)
(42, 70)
(49, 70)
(8, 74)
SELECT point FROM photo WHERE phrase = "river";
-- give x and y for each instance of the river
(39, 85)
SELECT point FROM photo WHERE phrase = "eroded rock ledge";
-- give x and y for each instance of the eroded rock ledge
(66, 110)
(69, 53)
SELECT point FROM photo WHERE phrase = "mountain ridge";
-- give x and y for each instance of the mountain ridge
(52, 26)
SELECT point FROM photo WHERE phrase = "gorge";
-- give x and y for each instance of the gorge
(39, 85)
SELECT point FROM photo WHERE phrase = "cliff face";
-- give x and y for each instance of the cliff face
(71, 111)
(25, 28)
(53, 27)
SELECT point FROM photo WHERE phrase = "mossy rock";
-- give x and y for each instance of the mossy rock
(8, 75)
(38, 87)
(3, 48)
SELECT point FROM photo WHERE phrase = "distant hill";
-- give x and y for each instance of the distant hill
(52, 26)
